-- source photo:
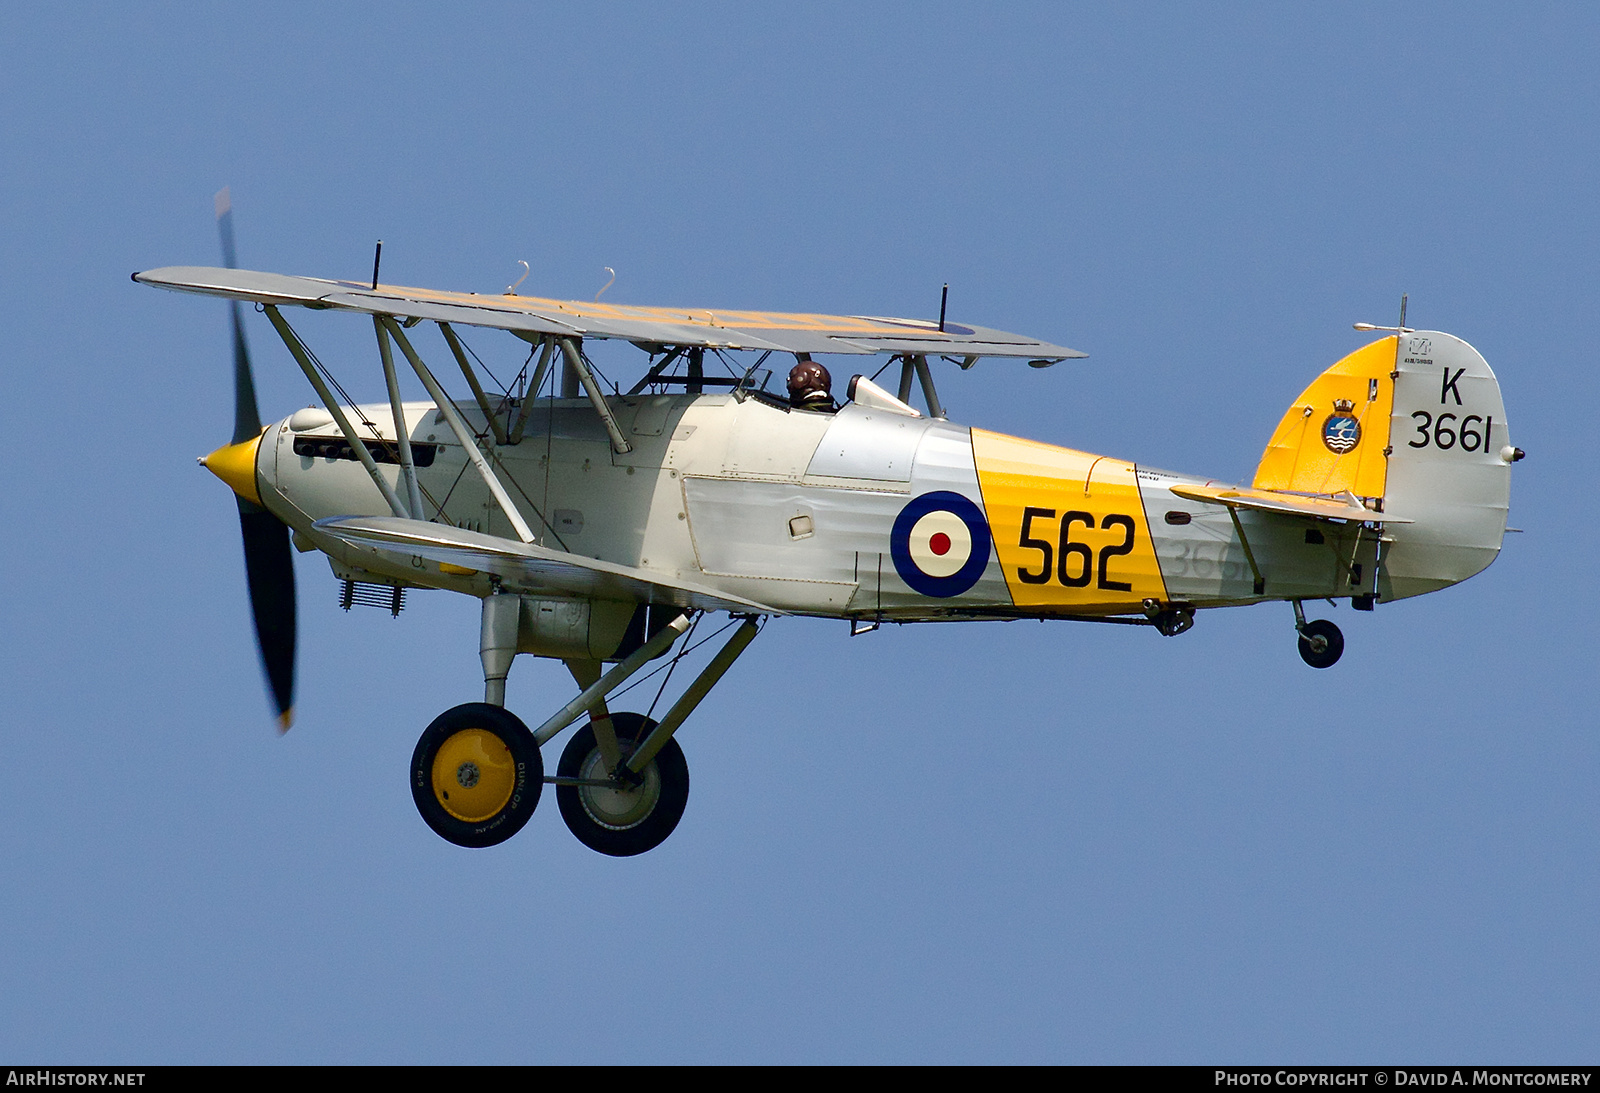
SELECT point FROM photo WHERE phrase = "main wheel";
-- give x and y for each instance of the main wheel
(619, 819)
(1321, 644)
(476, 775)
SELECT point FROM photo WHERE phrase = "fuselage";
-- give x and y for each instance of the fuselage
(862, 513)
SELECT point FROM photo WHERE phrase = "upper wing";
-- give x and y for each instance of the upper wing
(530, 567)
(1339, 507)
(713, 329)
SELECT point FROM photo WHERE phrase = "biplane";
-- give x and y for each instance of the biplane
(601, 527)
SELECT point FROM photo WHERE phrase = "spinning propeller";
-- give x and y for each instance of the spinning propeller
(267, 561)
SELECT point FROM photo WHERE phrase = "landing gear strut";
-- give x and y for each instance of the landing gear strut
(1321, 644)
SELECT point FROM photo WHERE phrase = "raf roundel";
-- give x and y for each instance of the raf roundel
(940, 544)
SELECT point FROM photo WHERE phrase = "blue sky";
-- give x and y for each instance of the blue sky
(973, 843)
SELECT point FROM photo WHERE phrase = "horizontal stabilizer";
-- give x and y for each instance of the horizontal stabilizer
(712, 329)
(1340, 507)
(529, 567)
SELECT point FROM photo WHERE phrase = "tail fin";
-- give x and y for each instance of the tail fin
(1414, 425)
(1334, 437)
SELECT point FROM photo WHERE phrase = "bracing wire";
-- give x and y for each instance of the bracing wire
(504, 390)
(666, 667)
(674, 665)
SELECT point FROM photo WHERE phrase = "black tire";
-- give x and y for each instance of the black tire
(1321, 632)
(488, 759)
(618, 822)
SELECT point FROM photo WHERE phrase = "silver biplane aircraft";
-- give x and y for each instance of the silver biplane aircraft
(598, 527)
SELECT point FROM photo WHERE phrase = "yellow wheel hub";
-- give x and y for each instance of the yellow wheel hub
(474, 775)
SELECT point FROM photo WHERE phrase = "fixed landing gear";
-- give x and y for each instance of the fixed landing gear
(1321, 644)
(476, 775)
(622, 814)
(622, 783)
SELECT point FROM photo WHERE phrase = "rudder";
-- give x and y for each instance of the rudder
(1449, 466)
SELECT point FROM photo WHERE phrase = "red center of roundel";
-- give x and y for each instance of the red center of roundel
(939, 544)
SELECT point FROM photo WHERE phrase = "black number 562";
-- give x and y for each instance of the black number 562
(1072, 564)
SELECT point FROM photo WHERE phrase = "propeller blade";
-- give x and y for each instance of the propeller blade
(246, 414)
(269, 569)
(268, 563)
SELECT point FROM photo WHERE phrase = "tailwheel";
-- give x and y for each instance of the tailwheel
(476, 775)
(1321, 643)
(612, 815)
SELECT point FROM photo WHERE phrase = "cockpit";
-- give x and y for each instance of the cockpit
(807, 387)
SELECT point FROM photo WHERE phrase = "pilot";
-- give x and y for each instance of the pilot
(810, 385)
